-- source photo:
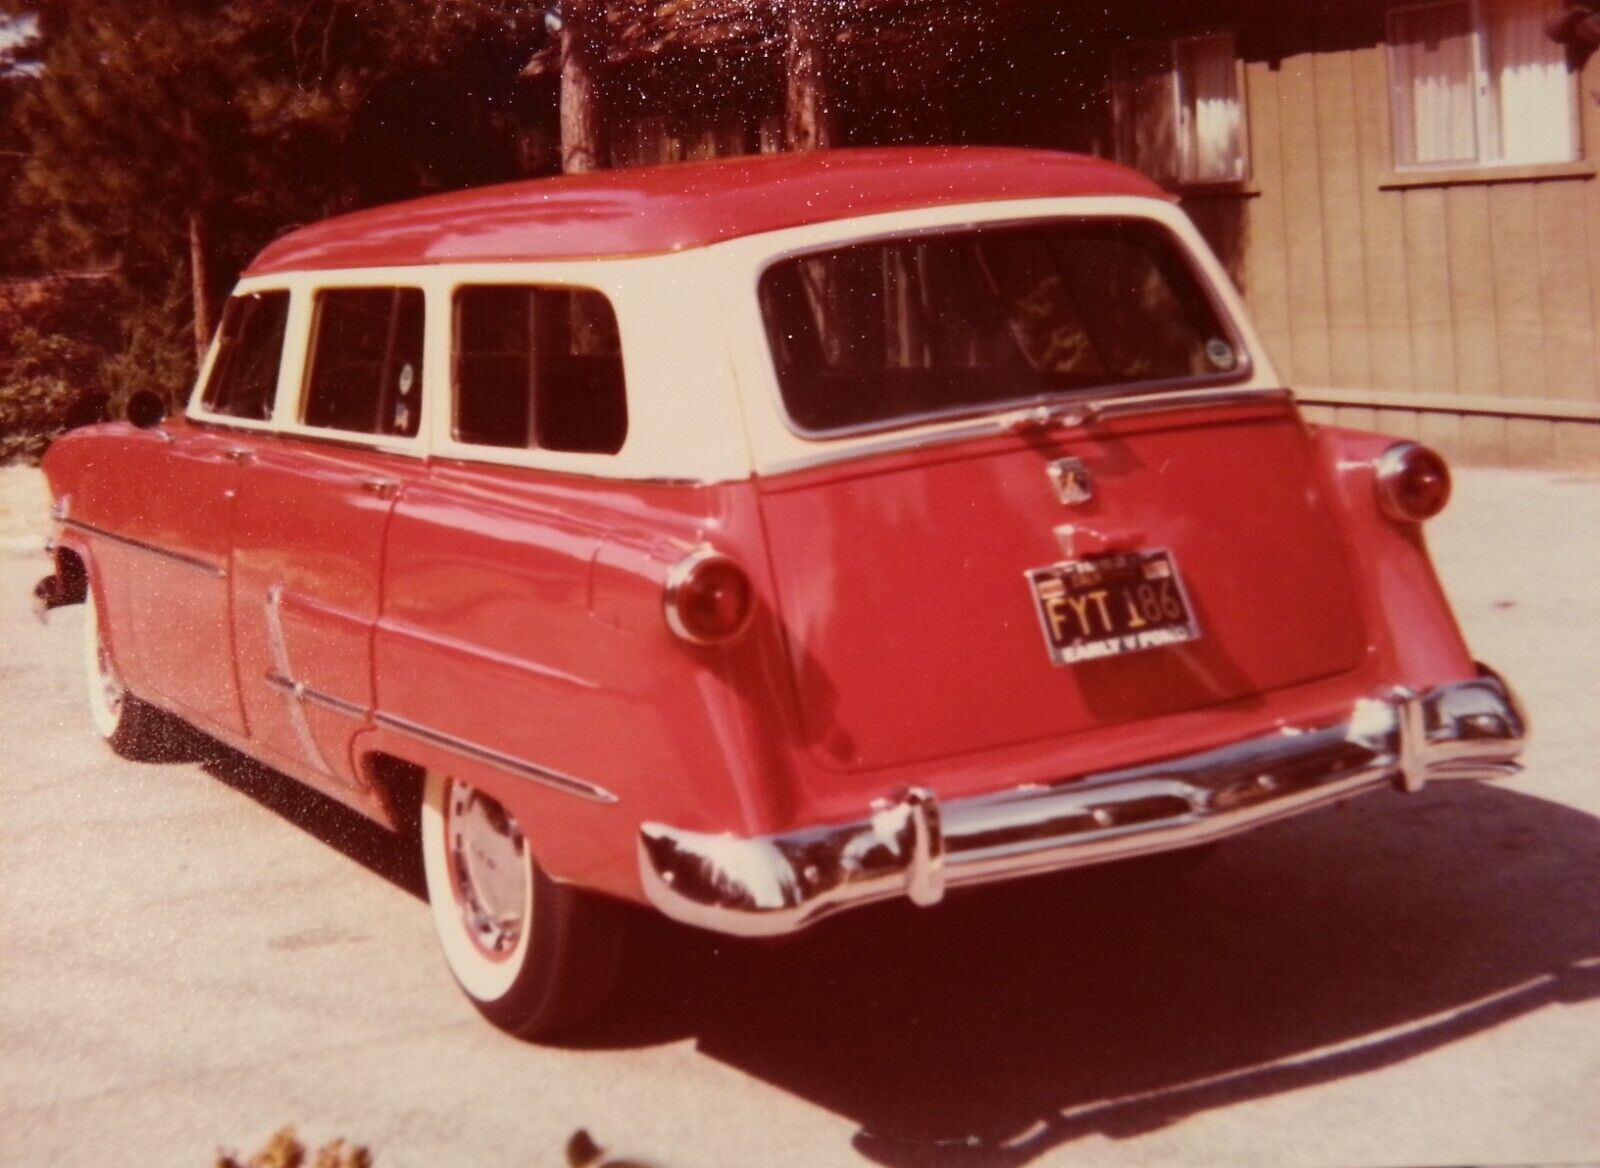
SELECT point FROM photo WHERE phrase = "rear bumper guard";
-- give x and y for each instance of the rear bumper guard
(914, 846)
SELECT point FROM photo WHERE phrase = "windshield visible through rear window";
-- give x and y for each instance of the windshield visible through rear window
(881, 332)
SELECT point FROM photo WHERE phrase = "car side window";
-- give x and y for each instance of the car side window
(365, 369)
(539, 368)
(244, 376)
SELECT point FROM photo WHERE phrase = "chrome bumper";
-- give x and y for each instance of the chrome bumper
(914, 846)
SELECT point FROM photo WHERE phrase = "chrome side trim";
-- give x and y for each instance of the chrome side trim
(555, 780)
(295, 691)
(913, 846)
(301, 692)
(186, 561)
(433, 640)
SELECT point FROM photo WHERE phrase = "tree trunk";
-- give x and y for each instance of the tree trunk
(581, 142)
(808, 121)
(200, 274)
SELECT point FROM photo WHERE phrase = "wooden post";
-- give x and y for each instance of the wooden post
(808, 122)
(200, 275)
(581, 141)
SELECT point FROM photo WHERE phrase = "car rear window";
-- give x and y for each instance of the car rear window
(539, 368)
(244, 377)
(886, 331)
(365, 374)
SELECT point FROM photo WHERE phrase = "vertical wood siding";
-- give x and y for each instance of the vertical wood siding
(1478, 290)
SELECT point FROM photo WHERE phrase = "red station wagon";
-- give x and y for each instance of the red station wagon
(761, 538)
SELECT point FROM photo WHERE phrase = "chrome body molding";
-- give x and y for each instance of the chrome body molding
(1142, 400)
(1072, 480)
(911, 845)
(283, 677)
(188, 561)
(301, 692)
(555, 780)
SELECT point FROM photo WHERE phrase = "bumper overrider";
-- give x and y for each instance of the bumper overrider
(914, 846)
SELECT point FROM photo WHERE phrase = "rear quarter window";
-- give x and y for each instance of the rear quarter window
(538, 368)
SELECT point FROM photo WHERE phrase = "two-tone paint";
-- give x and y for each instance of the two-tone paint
(325, 601)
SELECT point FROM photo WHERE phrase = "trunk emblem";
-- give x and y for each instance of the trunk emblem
(1073, 483)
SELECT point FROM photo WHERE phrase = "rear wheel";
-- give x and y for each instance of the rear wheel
(536, 958)
(130, 727)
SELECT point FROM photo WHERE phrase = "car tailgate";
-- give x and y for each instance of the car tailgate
(912, 626)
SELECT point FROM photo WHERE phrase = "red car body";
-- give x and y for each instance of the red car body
(883, 712)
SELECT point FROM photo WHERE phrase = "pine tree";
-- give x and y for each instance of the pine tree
(160, 130)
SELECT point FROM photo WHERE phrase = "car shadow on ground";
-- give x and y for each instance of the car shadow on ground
(1015, 1019)
(396, 858)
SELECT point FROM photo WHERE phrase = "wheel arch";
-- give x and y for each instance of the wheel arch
(396, 785)
(72, 574)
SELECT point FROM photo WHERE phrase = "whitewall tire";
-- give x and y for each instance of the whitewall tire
(536, 958)
(127, 724)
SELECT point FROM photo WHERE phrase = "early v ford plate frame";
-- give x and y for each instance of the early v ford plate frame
(1109, 606)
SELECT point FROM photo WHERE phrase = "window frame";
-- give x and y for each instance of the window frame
(450, 426)
(1487, 123)
(296, 418)
(198, 408)
(1226, 315)
(1186, 144)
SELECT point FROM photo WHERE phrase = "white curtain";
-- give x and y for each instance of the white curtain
(1210, 86)
(1537, 121)
(1434, 64)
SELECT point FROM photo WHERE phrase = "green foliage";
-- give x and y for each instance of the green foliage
(248, 116)
(38, 400)
(54, 335)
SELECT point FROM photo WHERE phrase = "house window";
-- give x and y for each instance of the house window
(1480, 83)
(1179, 112)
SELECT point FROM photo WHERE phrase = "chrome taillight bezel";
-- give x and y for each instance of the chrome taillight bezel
(1393, 467)
(679, 576)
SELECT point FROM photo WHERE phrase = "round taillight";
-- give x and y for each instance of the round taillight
(709, 599)
(1413, 482)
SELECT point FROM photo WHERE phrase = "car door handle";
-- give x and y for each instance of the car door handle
(240, 453)
(381, 487)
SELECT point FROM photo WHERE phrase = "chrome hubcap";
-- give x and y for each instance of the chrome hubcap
(488, 858)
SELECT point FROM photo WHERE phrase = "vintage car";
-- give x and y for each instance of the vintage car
(760, 538)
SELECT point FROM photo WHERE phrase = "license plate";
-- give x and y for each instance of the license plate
(1108, 606)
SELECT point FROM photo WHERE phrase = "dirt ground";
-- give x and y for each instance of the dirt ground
(194, 954)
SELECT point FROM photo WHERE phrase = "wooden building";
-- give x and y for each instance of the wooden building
(1405, 190)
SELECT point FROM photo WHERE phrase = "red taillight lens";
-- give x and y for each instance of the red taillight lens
(709, 599)
(1413, 483)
